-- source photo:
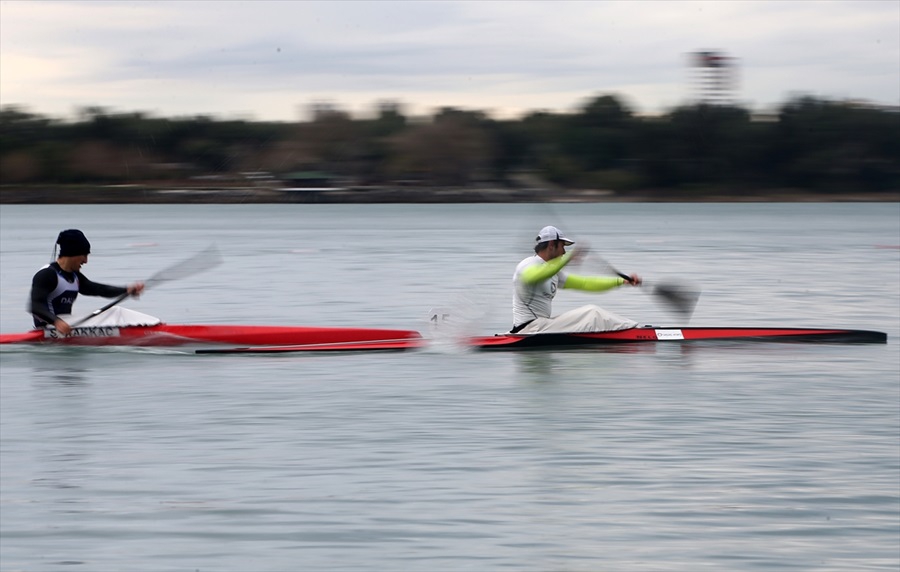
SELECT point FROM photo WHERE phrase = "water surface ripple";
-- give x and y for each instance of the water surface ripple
(714, 457)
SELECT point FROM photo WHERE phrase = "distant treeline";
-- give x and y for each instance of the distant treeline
(808, 144)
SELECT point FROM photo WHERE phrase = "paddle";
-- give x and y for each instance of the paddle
(680, 297)
(202, 261)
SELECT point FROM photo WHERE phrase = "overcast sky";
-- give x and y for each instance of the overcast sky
(270, 60)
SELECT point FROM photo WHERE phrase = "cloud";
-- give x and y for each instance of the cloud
(228, 57)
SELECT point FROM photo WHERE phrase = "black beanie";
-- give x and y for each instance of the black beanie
(73, 243)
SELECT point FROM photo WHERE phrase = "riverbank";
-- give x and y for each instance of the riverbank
(188, 194)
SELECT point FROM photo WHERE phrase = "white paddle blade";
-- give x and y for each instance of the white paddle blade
(204, 260)
(200, 262)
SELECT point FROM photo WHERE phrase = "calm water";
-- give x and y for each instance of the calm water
(716, 457)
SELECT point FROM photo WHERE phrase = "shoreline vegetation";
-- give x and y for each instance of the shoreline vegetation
(809, 150)
(168, 193)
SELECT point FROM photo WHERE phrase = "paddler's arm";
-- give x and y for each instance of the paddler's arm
(540, 272)
(592, 283)
(599, 283)
(89, 288)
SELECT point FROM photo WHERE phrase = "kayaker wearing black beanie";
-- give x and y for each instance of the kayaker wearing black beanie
(55, 287)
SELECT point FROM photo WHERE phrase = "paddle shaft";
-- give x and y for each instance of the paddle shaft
(200, 262)
(99, 311)
(621, 275)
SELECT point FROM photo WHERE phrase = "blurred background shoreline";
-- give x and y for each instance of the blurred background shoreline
(187, 194)
(808, 150)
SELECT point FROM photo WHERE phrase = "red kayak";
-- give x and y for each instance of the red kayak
(285, 339)
(399, 344)
(652, 334)
(168, 335)
(645, 334)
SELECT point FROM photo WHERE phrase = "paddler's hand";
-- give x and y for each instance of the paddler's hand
(135, 289)
(62, 327)
(634, 280)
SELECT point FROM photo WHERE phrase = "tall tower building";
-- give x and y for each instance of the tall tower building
(713, 77)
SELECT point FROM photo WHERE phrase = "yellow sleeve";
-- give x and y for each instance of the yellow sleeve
(540, 272)
(592, 283)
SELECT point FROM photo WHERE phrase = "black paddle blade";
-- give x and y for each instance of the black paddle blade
(682, 298)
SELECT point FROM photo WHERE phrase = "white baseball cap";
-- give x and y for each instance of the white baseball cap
(549, 233)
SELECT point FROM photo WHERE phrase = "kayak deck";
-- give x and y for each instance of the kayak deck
(647, 334)
(169, 335)
(374, 345)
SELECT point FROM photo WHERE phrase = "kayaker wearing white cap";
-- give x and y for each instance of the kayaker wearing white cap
(537, 279)
(55, 286)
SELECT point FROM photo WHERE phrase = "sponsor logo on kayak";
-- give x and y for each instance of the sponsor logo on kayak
(89, 332)
(669, 335)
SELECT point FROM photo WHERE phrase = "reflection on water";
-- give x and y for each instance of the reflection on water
(58, 384)
(64, 376)
(537, 366)
(59, 365)
(543, 362)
